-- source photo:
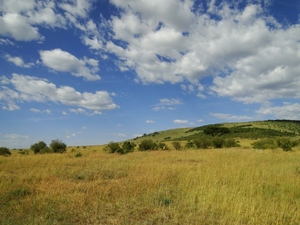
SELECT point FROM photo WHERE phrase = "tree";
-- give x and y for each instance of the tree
(38, 147)
(147, 145)
(128, 146)
(218, 142)
(215, 130)
(57, 146)
(286, 144)
(4, 151)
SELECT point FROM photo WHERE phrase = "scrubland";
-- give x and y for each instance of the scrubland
(214, 186)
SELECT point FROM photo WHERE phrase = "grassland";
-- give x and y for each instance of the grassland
(216, 186)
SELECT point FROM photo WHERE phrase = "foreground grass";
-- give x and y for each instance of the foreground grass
(227, 186)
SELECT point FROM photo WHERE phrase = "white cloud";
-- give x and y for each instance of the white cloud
(172, 101)
(234, 44)
(77, 8)
(181, 121)
(17, 26)
(20, 19)
(150, 121)
(29, 88)
(47, 111)
(167, 102)
(287, 111)
(18, 61)
(63, 61)
(230, 117)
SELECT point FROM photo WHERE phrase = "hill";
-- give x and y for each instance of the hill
(248, 130)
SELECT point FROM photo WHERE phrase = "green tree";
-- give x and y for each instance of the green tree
(218, 142)
(57, 146)
(128, 146)
(286, 144)
(113, 147)
(215, 130)
(38, 147)
(4, 151)
(203, 143)
(147, 144)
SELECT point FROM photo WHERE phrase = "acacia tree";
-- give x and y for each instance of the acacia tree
(4, 151)
(57, 146)
(38, 147)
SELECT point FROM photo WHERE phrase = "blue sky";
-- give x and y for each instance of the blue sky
(93, 71)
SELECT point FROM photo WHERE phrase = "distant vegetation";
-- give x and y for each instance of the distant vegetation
(56, 146)
(208, 175)
(4, 151)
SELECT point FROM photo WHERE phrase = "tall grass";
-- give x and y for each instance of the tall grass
(225, 186)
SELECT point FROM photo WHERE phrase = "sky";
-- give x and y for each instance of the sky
(89, 72)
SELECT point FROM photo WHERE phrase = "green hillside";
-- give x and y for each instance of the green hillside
(248, 130)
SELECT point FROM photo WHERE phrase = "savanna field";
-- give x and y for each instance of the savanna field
(237, 185)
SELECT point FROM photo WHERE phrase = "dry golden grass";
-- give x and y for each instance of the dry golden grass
(226, 186)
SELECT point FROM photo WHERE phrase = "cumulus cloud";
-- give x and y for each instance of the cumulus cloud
(230, 117)
(63, 61)
(16, 26)
(47, 111)
(150, 121)
(166, 103)
(28, 88)
(18, 61)
(20, 19)
(286, 111)
(252, 57)
(181, 121)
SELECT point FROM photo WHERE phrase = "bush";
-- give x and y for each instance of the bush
(78, 154)
(147, 144)
(162, 146)
(203, 143)
(113, 147)
(38, 147)
(264, 144)
(4, 151)
(189, 144)
(128, 147)
(57, 146)
(46, 150)
(218, 142)
(286, 144)
(176, 145)
(231, 142)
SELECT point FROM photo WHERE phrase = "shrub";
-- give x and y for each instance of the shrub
(57, 146)
(176, 145)
(264, 144)
(128, 147)
(46, 150)
(147, 144)
(78, 154)
(286, 144)
(113, 147)
(218, 142)
(162, 146)
(23, 151)
(38, 147)
(189, 144)
(231, 142)
(203, 143)
(4, 151)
